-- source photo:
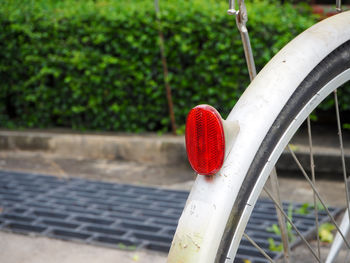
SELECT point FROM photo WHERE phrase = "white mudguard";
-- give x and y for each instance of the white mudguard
(204, 218)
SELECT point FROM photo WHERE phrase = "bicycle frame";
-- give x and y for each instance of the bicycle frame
(209, 211)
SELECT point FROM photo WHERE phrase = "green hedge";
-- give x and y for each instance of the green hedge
(96, 64)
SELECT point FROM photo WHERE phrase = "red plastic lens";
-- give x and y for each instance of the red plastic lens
(205, 140)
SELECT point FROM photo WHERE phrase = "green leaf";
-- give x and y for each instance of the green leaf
(304, 209)
(346, 126)
(325, 232)
(273, 246)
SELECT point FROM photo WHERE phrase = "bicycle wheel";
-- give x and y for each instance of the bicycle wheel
(270, 111)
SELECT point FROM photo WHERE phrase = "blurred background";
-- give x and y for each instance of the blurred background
(97, 65)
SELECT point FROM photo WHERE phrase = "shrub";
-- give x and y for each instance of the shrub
(96, 64)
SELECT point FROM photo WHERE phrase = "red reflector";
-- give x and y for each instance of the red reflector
(205, 140)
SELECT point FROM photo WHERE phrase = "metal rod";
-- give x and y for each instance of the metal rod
(312, 166)
(248, 52)
(340, 135)
(258, 248)
(231, 8)
(338, 5)
(281, 221)
(318, 195)
(292, 224)
(241, 21)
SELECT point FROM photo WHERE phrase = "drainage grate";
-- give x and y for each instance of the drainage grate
(115, 215)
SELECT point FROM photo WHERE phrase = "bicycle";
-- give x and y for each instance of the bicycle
(268, 114)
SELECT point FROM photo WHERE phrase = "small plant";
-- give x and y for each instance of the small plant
(293, 147)
(346, 126)
(126, 247)
(276, 230)
(273, 246)
(306, 208)
(313, 116)
(325, 232)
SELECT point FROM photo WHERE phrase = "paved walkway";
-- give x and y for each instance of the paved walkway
(74, 160)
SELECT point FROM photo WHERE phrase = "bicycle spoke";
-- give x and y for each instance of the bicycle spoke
(258, 248)
(291, 223)
(312, 167)
(340, 135)
(281, 222)
(318, 195)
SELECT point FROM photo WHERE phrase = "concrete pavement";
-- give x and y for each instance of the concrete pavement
(144, 160)
(26, 249)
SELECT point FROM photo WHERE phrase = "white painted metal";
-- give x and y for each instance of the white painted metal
(231, 129)
(204, 218)
(338, 241)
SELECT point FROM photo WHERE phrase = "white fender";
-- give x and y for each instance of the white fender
(209, 204)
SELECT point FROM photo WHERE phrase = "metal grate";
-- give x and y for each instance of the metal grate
(115, 215)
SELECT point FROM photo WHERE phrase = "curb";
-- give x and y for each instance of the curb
(148, 149)
(327, 160)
